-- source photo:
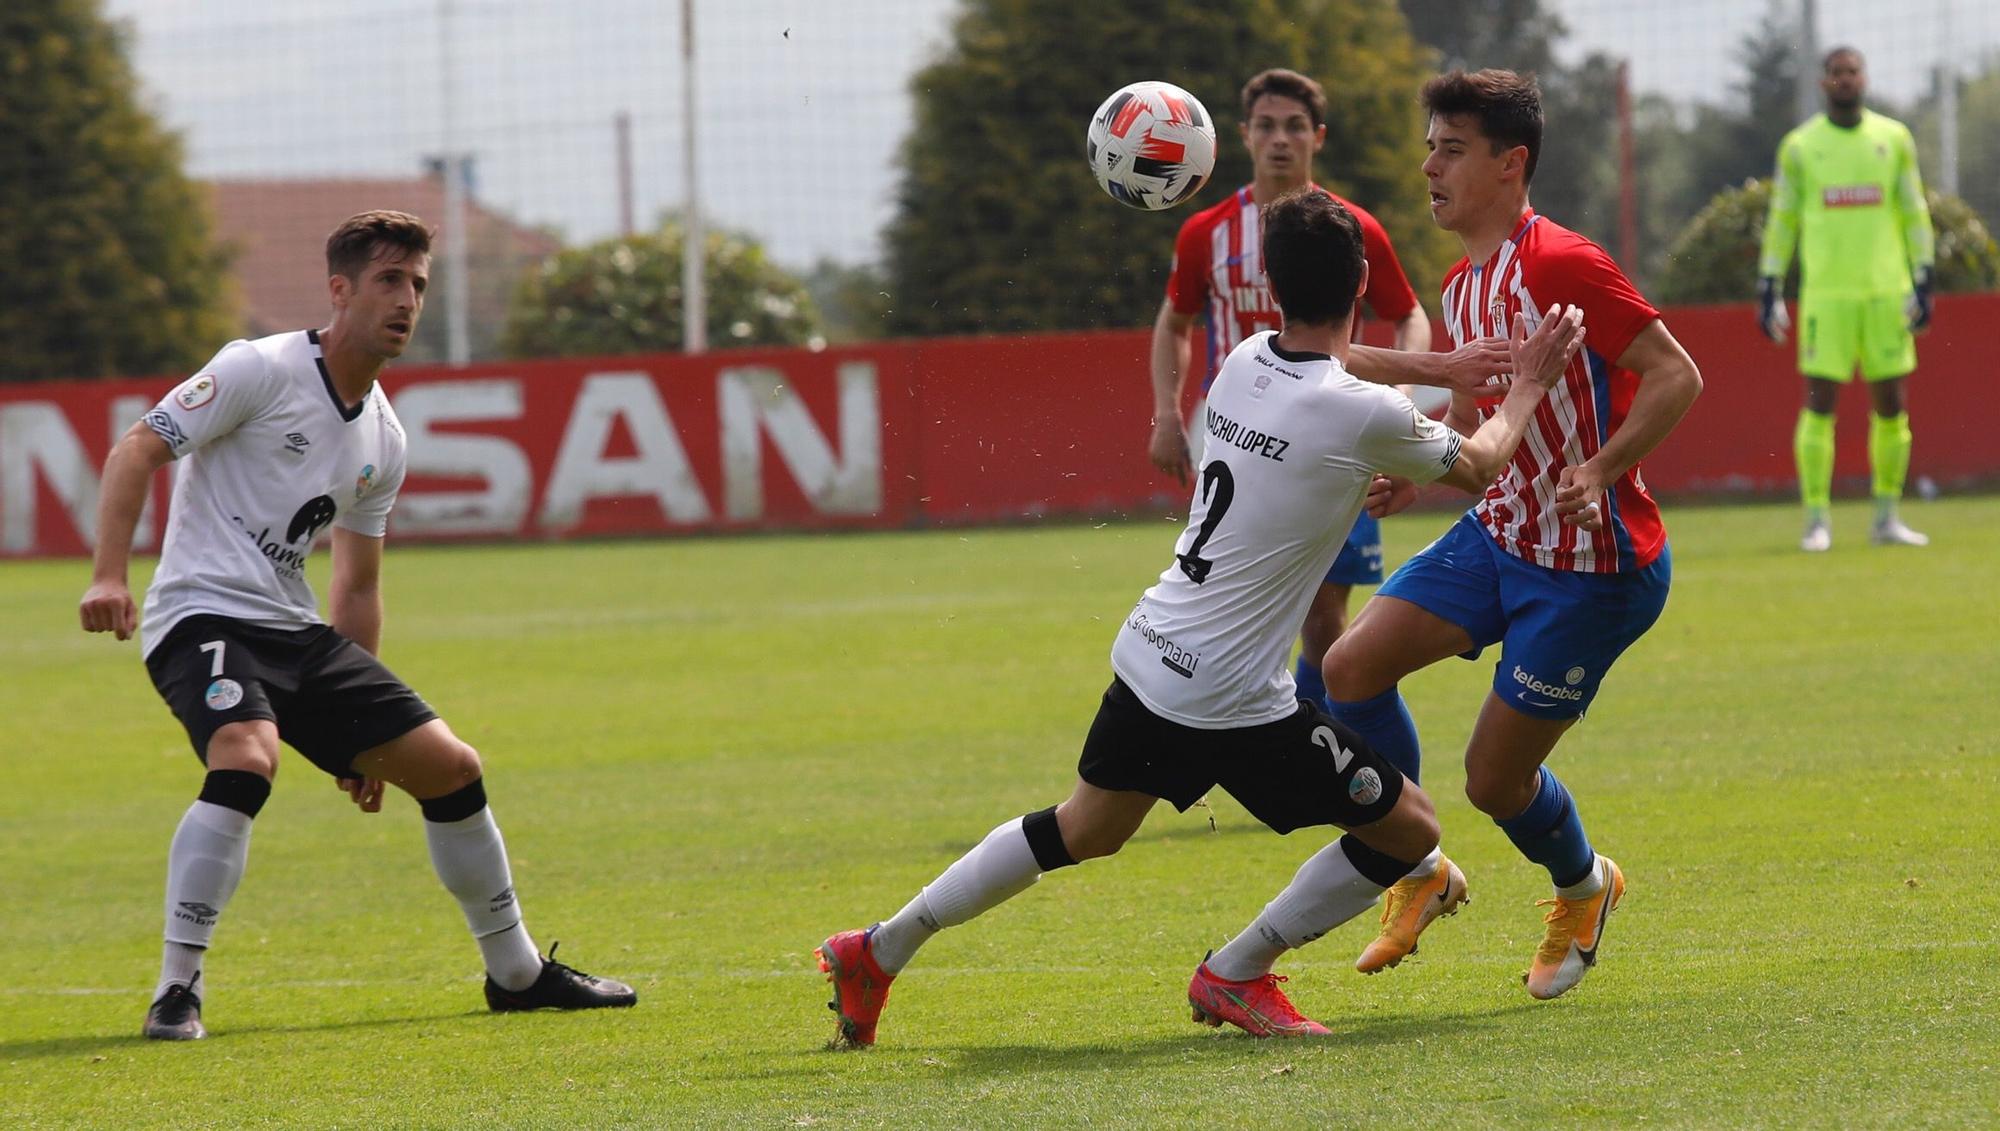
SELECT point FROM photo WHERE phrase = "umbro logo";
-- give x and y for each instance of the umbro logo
(168, 430)
(198, 913)
(296, 442)
(504, 898)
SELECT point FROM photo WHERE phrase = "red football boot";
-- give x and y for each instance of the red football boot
(1258, 1006)
(860, 988)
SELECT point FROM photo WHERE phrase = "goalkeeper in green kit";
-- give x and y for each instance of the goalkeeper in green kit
(1847, 195)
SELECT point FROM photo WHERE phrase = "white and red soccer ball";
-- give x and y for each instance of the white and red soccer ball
(1151, 145)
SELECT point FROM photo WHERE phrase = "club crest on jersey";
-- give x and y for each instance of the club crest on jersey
(197, 392)
(223, 694)
(364, 481)
(1496, 311)
(1261, 383)
(1366, 786)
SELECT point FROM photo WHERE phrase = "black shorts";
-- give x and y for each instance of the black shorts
(1299, 771)
(331, 699)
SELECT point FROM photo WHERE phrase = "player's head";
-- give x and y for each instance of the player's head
(1284, 124)
(378, 265)
(1485, 136)
(1843, 79)
(1312, 257)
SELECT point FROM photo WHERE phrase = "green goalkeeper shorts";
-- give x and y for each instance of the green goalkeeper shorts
(1840, 334)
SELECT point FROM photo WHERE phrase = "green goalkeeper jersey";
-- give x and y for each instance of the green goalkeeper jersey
(1850, 200)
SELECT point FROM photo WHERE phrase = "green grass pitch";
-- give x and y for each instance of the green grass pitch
(708, 755)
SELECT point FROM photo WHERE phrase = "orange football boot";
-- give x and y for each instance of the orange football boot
(1575, 928)
(1409, 906)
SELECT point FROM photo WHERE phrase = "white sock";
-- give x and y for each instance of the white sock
(204, 864)
(997, 869)
(180, 964)
(510, 957)
(471, 859)
(1589, 885)
(1326, 892)
(1428, 866)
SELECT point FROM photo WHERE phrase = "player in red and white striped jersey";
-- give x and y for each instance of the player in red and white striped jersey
(1218, 279)
(1540, 264)
(1564, 563)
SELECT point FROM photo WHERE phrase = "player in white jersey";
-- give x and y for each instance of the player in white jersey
(1218, 278)
(1295, 445)
(278, 440)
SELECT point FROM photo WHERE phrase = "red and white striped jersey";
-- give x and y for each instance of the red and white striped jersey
(1219, 272)
(1540, 266)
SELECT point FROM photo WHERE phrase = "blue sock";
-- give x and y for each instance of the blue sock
(1311, 686)
(1384, 722)
(1550, 833)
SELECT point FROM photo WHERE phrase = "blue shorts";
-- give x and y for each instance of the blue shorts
(1559, 631)
(1360, 561)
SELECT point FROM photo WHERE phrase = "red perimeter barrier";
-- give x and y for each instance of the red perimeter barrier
(902, 433)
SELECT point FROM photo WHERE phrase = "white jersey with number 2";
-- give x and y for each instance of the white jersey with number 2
(1292, 441)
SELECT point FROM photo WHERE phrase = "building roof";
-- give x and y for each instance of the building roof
(278, 230)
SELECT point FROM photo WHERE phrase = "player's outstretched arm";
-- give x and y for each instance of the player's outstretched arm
(1539, 361)
(1478, 368)
(1668, 385)
(1172, 354)
(107, 605)
(1413, 333)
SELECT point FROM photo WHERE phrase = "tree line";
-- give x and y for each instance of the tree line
(998, 226)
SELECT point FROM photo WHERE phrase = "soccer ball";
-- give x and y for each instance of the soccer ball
(1151, 145)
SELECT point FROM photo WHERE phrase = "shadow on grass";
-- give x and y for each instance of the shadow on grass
(83, 1045)
(1126, 1055)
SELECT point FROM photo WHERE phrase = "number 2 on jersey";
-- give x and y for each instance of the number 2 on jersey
(1218, 488)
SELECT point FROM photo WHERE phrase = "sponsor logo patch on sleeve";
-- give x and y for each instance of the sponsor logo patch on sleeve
(197, 392)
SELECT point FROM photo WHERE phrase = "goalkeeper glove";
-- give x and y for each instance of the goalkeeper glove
(1918, 310)
(1771, 309)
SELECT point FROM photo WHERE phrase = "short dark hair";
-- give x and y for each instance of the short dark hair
(1286, 84)
(1312, 257)
(1507, 107)
(1826, 64)
(363, 236)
